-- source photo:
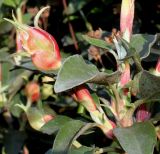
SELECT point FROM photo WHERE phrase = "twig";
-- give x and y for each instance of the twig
(71, 28)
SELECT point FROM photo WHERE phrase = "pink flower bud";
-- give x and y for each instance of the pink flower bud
(32, 91)
(48, 117)
(82, 95)
(158, 66)
(127, 16)
(125, 77)
(18, 44)
(42, 46)
(143, 113)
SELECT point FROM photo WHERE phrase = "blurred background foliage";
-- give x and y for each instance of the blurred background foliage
(66, 21)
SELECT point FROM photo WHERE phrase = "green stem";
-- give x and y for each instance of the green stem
(19, 15)
(88, 25)
(117, 99)
(137, 62)
(81, 109)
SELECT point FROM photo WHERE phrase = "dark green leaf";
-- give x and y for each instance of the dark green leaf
(146, 84)
(97, 42)
(82, 150)
(65, 136)
(74, 72)
(75, 6)
(15, 110)
(139, 138)
(55, 124)
(14, 141)
(49, 151)
(143, 43)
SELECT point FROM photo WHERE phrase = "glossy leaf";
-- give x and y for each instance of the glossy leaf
(65, 136)
(55, 124)
(74, 72)
(135, 138)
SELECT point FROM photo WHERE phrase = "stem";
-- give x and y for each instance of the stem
(71, 29)
(88, 25)
(19, 15)
(137, 62)
(81, 109)
(117, 99)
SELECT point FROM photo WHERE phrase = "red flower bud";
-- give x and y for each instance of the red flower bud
(158, 66)
(42, 46)
(82, 95)
(32, 91)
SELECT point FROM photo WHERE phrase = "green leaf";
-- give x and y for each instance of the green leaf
(14, 141)
(74, 72)
(82, 150)
(65, 136)
(11, 3)
(146, 85)
(139, 138)
(75, 6)
(97, 42)
(27, 18)
(143, 43)
(15, 110)
(34, 115)
(55, 124)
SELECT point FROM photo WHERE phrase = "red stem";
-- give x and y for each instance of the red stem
(71, 28)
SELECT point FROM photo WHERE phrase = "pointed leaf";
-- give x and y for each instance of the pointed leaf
(143, 43)
(134, 139)
(74, 72)
(55, 124)
(65, 136)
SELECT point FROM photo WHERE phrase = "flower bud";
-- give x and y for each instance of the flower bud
(82, 95)
(143, 113)
(157, 69)
(125, 77)
(47, 118)
(127, 16)
(42, 47)
(32, 91)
